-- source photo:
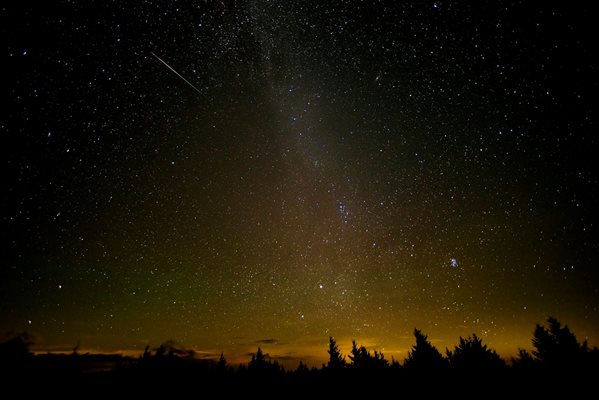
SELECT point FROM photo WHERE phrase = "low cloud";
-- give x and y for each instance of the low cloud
(285, 357)
(267, 341)
(206, 355)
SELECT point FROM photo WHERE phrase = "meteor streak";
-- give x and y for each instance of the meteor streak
(178, 74)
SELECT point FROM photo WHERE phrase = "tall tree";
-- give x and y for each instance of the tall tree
(362, 359)
(524, 360)
(258, 360)
(472, 354)
(423, 354)
(221, 365)
(557, 345)
(336, 360)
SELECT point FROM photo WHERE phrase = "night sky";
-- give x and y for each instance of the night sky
(231, 174)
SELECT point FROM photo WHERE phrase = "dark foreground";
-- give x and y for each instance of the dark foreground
(559, 365)
(80, 377)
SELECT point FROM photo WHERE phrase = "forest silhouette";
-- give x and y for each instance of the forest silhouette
(558, 361)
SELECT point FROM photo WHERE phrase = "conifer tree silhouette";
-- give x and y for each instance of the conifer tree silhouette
(362, 359)
(423, 354)
(471, 354)
(221, 364)
(336, 360)
(557, 346)
(524, 360)
(258, 360)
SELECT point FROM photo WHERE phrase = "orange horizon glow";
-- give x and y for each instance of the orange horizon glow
(314, 352)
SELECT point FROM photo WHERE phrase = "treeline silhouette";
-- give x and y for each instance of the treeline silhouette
(556, 353)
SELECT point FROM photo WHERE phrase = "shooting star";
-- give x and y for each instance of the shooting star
(178, 74)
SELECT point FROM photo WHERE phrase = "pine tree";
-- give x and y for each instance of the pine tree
(362, 359)
(221, 365)
(471, 354)
(557, 345)
(423, 354)
(336, 360)
(524, 360)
